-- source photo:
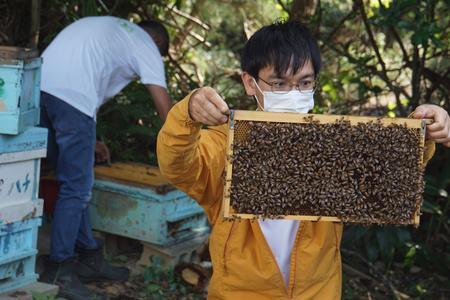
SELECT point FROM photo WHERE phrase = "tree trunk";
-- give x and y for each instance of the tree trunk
(302, 10)
(35, 21)
(188, 25)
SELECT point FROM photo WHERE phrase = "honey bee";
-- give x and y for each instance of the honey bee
(366, 173)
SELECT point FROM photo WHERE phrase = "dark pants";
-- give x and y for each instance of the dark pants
(71, 146)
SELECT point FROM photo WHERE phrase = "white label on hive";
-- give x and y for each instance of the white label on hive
(18, 181)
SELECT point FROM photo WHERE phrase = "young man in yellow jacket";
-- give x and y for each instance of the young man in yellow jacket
(272, 259)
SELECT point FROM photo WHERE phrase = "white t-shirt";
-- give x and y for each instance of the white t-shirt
(280, 235)
(94, 58)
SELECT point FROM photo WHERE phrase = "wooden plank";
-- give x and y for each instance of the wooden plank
(285, 117)
(132, 172)
(297, 217)
(8, 52)
(46, 290)
(31, 139)
(417, 217)
(289, 217)
(421, 163)
(229, 174)
(172, 254)
(20, 210)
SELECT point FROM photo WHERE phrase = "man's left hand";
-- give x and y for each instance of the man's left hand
(439, 131)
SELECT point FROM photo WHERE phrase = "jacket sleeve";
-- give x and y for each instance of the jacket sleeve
(192, 158)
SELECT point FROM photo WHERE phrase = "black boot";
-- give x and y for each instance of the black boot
(65, 277)
(92, 266)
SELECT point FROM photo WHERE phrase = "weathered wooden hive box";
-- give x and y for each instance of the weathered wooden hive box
(19, 174)
(135, 201)
(20, 80)
(324, 167)
(20, 208)
(18, 249)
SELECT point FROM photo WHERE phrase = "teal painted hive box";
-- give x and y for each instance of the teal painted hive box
(135, 201)
(32, 139)
(20, 157)
(20, 81)
(18, 251)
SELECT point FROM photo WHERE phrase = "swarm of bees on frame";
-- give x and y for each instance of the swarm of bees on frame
(364, 173)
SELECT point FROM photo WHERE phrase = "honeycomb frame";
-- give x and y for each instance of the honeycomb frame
(237, 132)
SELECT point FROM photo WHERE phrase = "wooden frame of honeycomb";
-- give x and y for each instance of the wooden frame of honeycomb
(242, 124)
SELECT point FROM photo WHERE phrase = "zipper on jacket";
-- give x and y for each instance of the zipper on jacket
(293, 261)
(286, 288)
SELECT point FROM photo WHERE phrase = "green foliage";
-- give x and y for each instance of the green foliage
(377, 242)
(39, 296)
(347, 290)
(163, 284)
(129, 125)
(411, 38)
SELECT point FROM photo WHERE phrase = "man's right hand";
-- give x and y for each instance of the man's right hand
(207, 107)
(102, 153)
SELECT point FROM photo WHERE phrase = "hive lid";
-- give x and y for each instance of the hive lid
(7, 52)
(135, 173)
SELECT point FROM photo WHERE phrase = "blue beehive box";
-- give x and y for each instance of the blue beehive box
(134, 201)
(33, 139)
(18, 251)
(20, 80)
(19, 174)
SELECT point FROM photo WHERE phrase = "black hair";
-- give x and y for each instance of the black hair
(156, 28)
(282, 45)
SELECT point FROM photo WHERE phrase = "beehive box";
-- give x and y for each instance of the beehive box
(18, 251)
(21, 211)
(324, 167)
(20, 81)
(19, 170)
(173, 254)
(135, 201)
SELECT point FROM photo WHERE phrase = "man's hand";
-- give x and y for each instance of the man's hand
(102, 153)
(439, 131)
(207, 107)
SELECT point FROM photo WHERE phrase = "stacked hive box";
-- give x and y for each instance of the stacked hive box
(22, 145)
(135, 201)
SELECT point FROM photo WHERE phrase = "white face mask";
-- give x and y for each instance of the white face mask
(293, 101)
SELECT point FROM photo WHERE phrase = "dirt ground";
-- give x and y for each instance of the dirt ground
(361, 279)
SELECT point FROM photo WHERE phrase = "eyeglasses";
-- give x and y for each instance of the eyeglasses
(282, 87)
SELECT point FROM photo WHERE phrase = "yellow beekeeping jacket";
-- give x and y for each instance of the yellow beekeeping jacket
(193, 160)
